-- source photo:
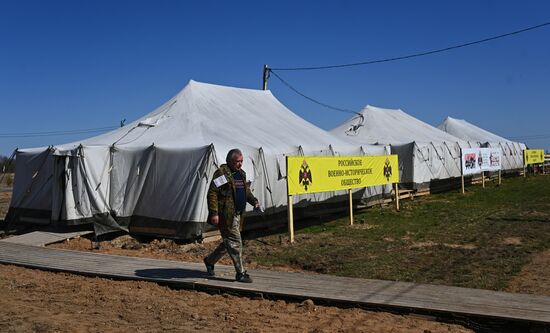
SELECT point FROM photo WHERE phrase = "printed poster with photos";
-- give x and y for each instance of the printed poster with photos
(477, 160)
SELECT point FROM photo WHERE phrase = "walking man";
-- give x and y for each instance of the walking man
(227, 198)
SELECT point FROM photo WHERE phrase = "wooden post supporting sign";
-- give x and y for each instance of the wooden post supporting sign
(290, 219)
(290, 209)
(350, 207)
(397, 196)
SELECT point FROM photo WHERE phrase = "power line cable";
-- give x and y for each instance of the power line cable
(56, 133)
(312, 99)
(525, 137)
(531, 137)
(415, 55)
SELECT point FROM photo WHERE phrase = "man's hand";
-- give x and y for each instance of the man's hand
(215, 220)
(258, 208)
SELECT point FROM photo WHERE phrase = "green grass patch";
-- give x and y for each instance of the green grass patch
(477, 240)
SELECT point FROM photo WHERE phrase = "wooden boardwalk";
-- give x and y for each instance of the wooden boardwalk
(43, 238)
(387, 295)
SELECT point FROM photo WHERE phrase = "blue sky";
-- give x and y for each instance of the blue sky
(72, 65)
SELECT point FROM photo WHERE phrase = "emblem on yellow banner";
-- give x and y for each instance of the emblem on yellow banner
(387, 169)
(305, 175)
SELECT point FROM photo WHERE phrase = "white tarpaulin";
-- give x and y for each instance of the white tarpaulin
(153, 173)
(425, 152)
(477, 160)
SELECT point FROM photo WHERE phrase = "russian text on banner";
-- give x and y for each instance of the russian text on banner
(533, 156)
(310, 174)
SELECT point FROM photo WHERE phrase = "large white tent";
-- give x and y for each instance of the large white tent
(425, 152)
(512, 151)
(152, 174)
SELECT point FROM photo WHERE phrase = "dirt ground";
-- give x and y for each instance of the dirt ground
(38, 301)
(534, 277)
(166, 249)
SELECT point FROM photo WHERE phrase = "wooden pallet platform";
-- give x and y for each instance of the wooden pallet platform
(400, 296)
(43, 238)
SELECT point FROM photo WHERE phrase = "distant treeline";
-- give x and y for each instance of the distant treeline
(6, 165)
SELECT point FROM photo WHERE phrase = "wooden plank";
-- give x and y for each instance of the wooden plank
(418, 298)
(211, 233)
(375, 202)
(43, 238)
(421, 194)
(211, 236)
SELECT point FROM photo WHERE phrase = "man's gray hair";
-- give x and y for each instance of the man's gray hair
(232, 154)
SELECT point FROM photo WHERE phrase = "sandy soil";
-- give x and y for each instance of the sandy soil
(38, 301)
(534, 277)
(167, 249)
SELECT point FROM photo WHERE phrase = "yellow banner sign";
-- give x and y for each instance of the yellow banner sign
(310, 174)
(533, 156)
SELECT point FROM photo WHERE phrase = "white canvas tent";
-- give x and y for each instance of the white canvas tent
(512, 152)
(425, 152)
(153, 173)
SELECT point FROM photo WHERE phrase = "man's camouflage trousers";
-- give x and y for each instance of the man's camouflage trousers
(233, 245)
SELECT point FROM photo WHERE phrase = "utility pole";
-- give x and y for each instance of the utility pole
(266, 76)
